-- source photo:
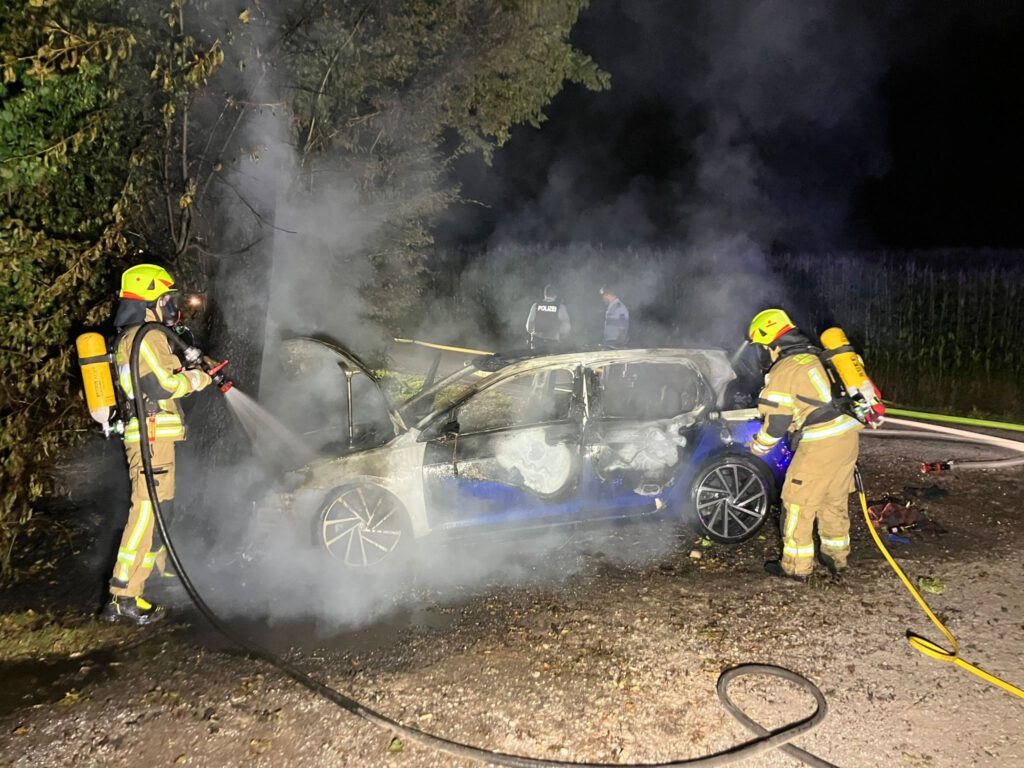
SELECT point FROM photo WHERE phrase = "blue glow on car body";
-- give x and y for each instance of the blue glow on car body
(593, 498)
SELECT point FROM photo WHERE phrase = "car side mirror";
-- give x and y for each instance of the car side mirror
(450, 429)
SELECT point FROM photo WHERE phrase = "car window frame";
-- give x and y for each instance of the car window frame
(594, 394)
(575, 411)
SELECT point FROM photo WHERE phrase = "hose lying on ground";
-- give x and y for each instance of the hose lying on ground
(919, 643)
(765, 741)
(946, 434)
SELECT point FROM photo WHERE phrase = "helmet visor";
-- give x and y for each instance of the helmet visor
(170, 312)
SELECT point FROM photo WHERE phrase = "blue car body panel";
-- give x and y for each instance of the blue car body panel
(593, 498)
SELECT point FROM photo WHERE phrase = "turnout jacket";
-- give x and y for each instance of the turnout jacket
(797, 398)
(163, 382)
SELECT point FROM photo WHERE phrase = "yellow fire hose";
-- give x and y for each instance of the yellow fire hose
(919, 643)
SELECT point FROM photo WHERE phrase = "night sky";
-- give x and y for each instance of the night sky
(805, 125)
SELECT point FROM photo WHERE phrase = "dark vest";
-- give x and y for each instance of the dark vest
(545, 321)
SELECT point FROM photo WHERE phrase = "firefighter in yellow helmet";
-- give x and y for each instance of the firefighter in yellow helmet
(148, 295)
(797, 399)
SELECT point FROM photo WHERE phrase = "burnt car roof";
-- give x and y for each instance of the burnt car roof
(712, 363)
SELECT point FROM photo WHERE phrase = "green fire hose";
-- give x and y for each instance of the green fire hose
(967, 422)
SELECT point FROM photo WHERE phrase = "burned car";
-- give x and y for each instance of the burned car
(529, 441)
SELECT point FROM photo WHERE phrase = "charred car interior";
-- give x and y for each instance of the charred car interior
(524, 442)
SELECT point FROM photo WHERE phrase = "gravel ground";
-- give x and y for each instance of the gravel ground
(614, 664)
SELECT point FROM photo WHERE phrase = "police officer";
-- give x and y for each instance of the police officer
(147, 294)
(616, 319)
(548, 321)
(797, 399)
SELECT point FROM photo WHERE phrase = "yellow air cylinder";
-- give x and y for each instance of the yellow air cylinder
(96, 376)
(847, 363)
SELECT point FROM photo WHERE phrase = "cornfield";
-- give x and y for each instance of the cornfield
(939, 330)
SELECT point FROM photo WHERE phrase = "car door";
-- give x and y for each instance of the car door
(328, 396)
(509, 455)
(641, 433)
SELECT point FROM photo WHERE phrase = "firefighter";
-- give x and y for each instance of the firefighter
(616, 319)
(148, 294)
(797, 399)
(548, 321)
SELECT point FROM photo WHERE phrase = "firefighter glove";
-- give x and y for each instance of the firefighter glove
(757, 448)
(199, 379)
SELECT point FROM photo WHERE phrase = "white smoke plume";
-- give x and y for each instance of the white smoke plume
(758, 68)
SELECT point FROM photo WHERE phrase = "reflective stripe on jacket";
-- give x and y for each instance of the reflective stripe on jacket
(168, 426)
(162, 384)
(796, 398)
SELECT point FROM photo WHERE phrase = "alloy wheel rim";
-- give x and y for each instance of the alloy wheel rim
(731, 500)
(361, 527)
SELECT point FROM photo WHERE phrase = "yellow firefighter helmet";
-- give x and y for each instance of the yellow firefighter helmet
(146, 282)
(768, 326)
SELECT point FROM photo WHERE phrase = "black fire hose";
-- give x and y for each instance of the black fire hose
(766, 740)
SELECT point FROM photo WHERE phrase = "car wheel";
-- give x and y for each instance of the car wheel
(363, 525)
(732, 496)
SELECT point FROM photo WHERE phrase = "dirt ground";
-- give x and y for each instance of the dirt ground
(614, 664)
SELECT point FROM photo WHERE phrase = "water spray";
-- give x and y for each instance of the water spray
(738, 353)
(764, 741)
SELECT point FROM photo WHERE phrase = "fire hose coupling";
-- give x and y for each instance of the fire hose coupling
(192, 355)
(936, 467)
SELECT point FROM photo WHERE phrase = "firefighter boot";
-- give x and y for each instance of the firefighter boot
(131, 610)
(774, 568)
(834, 569)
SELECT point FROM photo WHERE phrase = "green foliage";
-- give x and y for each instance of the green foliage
(390, 93)
(57, 96)
(117, 119)
(62, 187)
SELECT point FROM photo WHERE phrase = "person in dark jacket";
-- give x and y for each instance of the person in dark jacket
(548, 321)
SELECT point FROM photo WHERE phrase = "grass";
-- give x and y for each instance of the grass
(32, 635)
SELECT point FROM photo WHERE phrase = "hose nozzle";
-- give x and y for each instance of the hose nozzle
(216, 371)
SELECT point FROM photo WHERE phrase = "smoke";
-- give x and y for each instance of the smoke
(732, 130)
(732, 95)
(296, 233)
(275, 572)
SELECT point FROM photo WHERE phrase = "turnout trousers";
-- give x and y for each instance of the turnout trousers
(817, 487)
(140, 547)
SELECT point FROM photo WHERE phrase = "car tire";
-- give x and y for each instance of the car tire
(363, 526)
(732, 496)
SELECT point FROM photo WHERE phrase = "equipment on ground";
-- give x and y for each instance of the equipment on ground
(917, 642)
(846, 368)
